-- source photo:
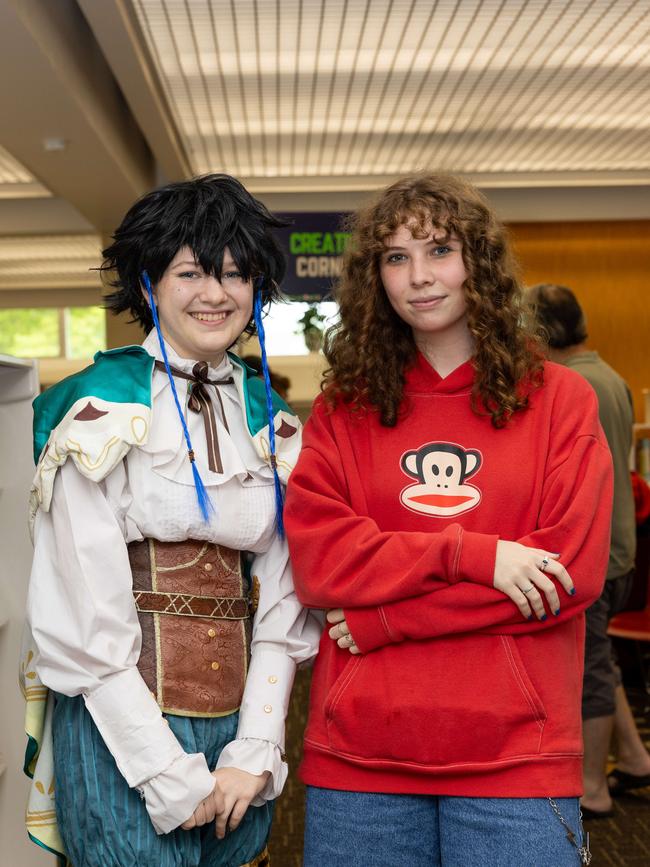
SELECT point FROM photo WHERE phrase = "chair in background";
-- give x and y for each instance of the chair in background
(635, 625)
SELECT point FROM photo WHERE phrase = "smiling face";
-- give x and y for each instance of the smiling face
(202, 315)
(423, 279)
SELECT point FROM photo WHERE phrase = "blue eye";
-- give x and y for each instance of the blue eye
(441, 250)
(395, 257)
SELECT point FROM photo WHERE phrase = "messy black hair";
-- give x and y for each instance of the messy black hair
(206, 214)
(559, 314)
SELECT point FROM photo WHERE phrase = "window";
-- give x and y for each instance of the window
(79, 332)
(48, 332)
(283, 336)
(85, 328)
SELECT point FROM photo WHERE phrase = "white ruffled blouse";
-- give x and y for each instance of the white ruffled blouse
(83, 617)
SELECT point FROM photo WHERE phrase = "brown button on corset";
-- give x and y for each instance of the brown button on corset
(195, 623)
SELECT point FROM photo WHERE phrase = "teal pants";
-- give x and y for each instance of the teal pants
(104, 823)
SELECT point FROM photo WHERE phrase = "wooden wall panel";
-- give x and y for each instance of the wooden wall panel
(607, 265)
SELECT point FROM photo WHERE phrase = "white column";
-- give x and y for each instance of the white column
(18, 387)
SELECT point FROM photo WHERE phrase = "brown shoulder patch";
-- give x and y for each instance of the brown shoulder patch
(89, 413)
(285, 430)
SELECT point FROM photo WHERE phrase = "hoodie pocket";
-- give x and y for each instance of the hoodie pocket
(464, 700)
(340, 685)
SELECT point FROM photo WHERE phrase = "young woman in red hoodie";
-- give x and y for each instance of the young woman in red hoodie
(451, 510)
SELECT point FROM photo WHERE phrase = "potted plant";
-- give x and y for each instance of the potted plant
(310, 325)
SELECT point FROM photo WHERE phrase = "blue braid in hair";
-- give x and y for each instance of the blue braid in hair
(205, 503)
(257, 313)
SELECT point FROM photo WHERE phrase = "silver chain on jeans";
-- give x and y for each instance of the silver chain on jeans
(583, 851)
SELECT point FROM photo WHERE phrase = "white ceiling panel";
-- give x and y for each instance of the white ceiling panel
(15, 181)
(315, 88)
(64, 261)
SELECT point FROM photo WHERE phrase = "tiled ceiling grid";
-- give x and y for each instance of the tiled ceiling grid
(294, 88)
(11, 171)
(61, 260)
(16, 181)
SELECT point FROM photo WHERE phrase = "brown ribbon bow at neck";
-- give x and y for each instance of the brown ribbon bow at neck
(200, 402)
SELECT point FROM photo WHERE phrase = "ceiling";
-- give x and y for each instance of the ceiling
(321, 89)
(16, 181)
(311, 103)
(62, 260)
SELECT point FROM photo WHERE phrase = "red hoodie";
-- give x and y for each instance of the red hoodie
(454, 693)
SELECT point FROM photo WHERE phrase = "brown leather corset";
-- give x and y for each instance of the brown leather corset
(195, 622)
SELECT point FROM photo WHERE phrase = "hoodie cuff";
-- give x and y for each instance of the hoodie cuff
(368, 627)
(476, 558)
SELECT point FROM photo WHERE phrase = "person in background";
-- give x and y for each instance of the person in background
(280, 384)
(451, 508)
(605, 709)
(161, 605)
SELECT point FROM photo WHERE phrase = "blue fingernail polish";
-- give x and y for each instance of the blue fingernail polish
(556, 612)
(530, 617)
(543, 618)
(572, 591)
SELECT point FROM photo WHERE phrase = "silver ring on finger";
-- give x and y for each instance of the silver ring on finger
(350, 639)
(544, 563)
(527, 591)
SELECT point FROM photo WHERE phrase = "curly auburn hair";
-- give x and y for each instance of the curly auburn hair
(371, 347)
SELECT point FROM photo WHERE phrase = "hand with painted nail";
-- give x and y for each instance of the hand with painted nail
(522, 573)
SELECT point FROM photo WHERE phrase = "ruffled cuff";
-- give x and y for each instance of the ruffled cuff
(255, 757)
(172, 796)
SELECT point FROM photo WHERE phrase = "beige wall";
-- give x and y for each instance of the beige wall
(121, 332)
(18, 387)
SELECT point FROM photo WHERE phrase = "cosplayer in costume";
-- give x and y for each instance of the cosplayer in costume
(451, 506)
(161, 608)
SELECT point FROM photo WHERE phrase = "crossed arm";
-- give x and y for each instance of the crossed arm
(452, 581)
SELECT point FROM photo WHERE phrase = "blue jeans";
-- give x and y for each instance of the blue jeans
(364, 829)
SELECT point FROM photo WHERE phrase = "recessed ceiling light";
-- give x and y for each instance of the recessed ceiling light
(54, 144)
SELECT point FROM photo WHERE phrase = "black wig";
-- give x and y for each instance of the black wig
(206, 214)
